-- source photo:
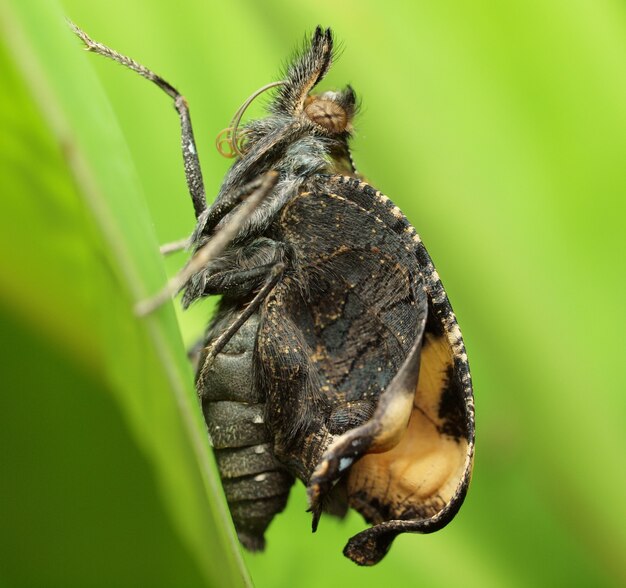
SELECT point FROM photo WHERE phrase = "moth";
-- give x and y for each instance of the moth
(334, 356)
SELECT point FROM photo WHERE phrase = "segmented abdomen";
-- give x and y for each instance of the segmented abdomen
(255, 483)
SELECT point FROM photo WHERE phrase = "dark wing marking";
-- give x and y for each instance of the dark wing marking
(379, 436)
(337, 328)
(420, 484)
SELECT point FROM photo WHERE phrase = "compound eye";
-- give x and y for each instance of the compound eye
(327, 114)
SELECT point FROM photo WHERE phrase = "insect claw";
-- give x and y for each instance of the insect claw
(317, 513)
(315, 505)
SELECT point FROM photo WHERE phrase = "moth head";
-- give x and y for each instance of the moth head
(329, 113)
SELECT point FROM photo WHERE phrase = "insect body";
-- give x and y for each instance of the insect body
(334, 357)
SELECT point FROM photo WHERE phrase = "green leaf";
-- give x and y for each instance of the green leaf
(110, 480)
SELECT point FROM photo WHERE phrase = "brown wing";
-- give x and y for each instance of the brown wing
(418, 485)
(338, 328)
(327, 350)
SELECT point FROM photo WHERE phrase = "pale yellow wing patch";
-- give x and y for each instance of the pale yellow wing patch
(420, 475)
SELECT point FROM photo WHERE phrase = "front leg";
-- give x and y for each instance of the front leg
(193, 173)
(246, 275)
(221, 340)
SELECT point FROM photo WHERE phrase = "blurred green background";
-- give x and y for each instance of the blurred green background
(498, 127)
